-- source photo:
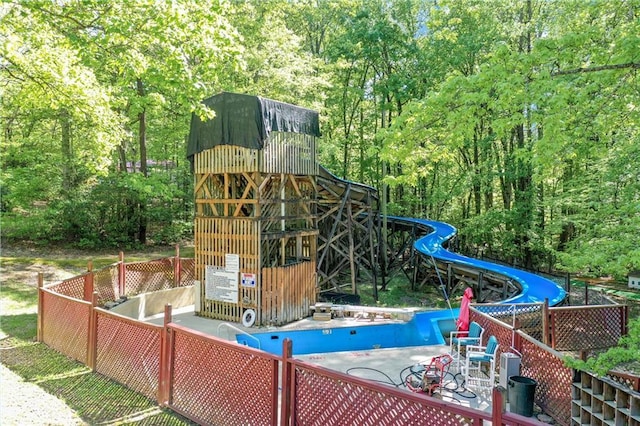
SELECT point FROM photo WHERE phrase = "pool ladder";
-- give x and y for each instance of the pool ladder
(233, 327)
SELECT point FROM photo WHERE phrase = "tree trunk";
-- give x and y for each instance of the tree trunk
(122, 157)
(67, 153)
(477, 175)
(142, 139)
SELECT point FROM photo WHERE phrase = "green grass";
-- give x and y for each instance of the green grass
(399, 294)
(76, 260)
(95, 398)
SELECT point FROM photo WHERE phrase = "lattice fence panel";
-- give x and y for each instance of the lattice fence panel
(187, 272)
(581, 296)
(72, 287)
(587, 328)
(144, 277)
(628, 380)
(494, 327)
(529, 317)
(220, 383)
(554, 379)
(129, 352)
(105, 282)
(65, 324)
(327, 398)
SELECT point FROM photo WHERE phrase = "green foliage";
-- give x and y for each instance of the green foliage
(628, 350)
(519, 129)
(517, 124)
(109, 214)
(33, 226)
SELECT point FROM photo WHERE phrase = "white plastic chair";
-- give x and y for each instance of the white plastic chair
(476, 357)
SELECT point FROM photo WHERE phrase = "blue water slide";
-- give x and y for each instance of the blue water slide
(535, 288)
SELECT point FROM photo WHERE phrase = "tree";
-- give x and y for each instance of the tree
(276, 64)
(518, 122)
(127, 63)
(519, 126)
(54, 112)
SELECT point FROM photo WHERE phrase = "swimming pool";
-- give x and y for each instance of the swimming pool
(425, 328)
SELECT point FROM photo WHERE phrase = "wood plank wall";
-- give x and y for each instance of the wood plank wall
(216, 237)
(288, 292)
(290, 153)
(226, 159)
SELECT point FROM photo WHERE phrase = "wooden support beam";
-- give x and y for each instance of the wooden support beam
(352, 264)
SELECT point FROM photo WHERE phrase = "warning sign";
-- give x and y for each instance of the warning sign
(232, 262)
(248, 280)
(221, 285)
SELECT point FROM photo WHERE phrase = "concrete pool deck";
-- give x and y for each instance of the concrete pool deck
(388, 366)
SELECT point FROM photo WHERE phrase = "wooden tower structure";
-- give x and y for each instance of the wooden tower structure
(256, 231)
(348, 235)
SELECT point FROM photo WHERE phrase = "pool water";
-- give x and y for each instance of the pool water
(425, 328)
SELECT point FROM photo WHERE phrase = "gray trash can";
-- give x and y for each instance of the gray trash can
(522, 392)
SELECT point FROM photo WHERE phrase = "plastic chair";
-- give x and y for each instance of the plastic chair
(432, 377)
(476, 357)
(460, 340)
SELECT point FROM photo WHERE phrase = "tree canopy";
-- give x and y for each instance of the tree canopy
(518, 122)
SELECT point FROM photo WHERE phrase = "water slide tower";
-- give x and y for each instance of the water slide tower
(256, 230)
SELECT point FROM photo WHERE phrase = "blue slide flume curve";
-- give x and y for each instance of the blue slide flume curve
(535, 288)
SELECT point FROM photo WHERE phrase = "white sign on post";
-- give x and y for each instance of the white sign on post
(232, 262)
(221, 285)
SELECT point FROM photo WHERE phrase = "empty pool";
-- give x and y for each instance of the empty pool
(425, 328)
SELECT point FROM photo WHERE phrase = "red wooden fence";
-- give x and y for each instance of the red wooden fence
(214, 381)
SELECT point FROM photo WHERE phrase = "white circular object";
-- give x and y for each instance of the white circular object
(249, 318)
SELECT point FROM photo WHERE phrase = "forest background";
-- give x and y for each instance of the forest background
(516, 121)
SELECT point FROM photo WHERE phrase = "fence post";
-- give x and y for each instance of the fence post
(498, 405)
(88, 282)
(586, 292)
(553, 328)
(567, 284)
(39, 336)
(92, 343)
(287, 371)
(545, 322)
(122, 270)
(517, 338)
(166, 355)
(177, 271)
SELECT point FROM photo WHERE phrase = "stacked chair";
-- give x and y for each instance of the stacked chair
(461, 340)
